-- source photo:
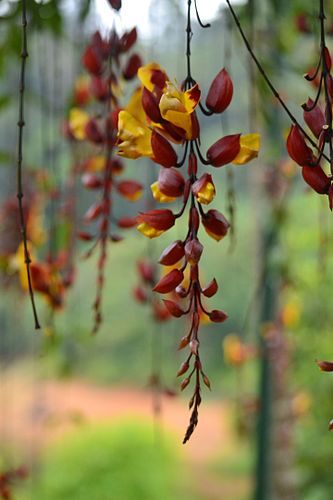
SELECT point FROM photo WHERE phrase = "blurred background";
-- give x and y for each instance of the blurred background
(102, 417)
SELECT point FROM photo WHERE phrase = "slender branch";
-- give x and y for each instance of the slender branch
(21, 124)
(267, 80)
(324, 77)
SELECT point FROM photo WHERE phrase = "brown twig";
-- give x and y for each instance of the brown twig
(21, 124)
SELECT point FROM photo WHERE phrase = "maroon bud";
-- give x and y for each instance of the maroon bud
(315, 118)
(206, 381)
(325, 366)
(224, 150)
(128, 40)
(172, 254)
(171, 182)
(215, 224)
(183, 343)
(169, 282)
(220, 92)
(194, 220)
(130, 189)
(330, 197)
(173, 308)
(91, 181)
(330, 425)
(185, 383)
(140, 294)
(193, 251)
(85, 236)
(328, 60)
(218, 316)
(164, 154)
(115, 4)
(93, 132)
(132, 66)
(316, 178)
(192, 164)
(146, 270)
(210, 289)
(195, 126)
(194, 346)
(160, 219)
(99, 88)
(180, 291)
(93, 212)
(297, 148)
(127, 222)
(150, 105)
(92, 60)
(183, 368)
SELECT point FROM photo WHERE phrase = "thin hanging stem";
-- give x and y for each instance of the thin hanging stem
(267, 80)
(21, 124)
(325, 76)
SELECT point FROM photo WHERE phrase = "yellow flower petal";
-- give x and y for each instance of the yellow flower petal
(134, 106)
(95, 164)
(77, 122)
(147, 73)
(191, 98)
(159, 196)
(206, 195)
(134, 138)
(176, 106)
(249, 148)
(149, 231)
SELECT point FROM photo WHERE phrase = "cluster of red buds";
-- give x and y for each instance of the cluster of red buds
(164, 113)
(312, 151)
(142, 292)
(104, 61)
(8, 479)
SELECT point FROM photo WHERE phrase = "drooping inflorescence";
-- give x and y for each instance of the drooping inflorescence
(159, 113)
(96, 126)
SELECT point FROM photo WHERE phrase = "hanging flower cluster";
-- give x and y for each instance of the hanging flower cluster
(96, 127)
(160, 113)
(313, 152)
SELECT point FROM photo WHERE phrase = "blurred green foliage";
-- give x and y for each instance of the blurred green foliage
(109, 462)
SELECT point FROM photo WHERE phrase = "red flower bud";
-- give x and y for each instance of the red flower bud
(183, 343)
(173, 308)
(146, 270)
(185, 383)
(91, 181)
(160, 219)
(195, 126)
(220, 92)
(172, 254)
(160, 312)
(192, 164)
(115, 4)
(218, 316)
(193, 251)
(297, 148)
(150, 105)
(93, 132)
(140, 294)
(194, 220)
(99, 88)
(92, 60)
(215, 224)
(169, 282)
(132, 66)
(116, 166)
(315, 118)
(129, 189)
(93, 212)
(171, 182)
(127, 222)
(183, 368)
(224, 150)
(328, 59)
(325, 366)
(164, 154)
(128, 40)
(316, 178)
(194, 346)
(85, 236)
(210, 289)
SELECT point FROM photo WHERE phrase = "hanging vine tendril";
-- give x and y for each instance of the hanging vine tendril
(20, 194)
